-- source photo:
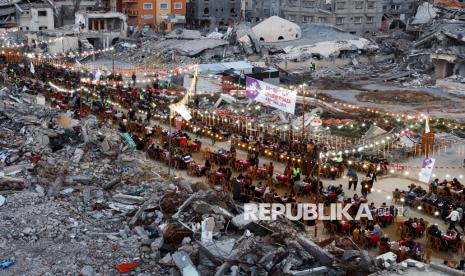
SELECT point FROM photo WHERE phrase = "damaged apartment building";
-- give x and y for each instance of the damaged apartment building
(445, 44)
(218, 13)
(27, 16)
(102, 29)
(397, 13)
(354, 16)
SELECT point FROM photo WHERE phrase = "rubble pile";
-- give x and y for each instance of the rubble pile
(187, 47)
(76, 200)
(240, 41)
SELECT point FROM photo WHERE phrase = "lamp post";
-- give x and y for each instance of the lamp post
(169, 141)
(303, 109)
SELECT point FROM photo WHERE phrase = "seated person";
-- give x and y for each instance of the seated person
(377, 230)
(434, 231)
(370, 226)
(208, 165)
(187, 159)
(384, 246)
(330, 188)
(267, 191)
(393, 211)
(228, 173)
(339, 190)
(432, 197)
(420, 227)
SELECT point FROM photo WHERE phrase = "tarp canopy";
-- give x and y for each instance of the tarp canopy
(374, 131)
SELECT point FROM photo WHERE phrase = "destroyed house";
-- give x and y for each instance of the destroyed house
(446, 46)
(102, 29)
(205, 13)
(8, 14)
(396, 13)
(36, 17)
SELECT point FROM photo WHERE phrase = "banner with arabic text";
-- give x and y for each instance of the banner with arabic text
(271, 95)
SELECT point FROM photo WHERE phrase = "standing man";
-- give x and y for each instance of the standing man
(148, 117)
(296, 173)
(132, 115)
(133, 77)
(454, 217)
(372, 175)
(353, 178)
(270, 169)
(102, 97)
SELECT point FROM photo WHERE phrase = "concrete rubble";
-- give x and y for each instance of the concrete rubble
(67, 207)
(413, 267)
(241, 40)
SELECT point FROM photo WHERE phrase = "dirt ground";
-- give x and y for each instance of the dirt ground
(398, 97)
(382, 96)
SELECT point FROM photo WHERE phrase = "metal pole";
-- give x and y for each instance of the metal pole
(195, 89)
(303, 115)
(113, 64)
(169, 144)
(317, 187)
(290, 133)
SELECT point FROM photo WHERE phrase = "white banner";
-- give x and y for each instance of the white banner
(271, 95)
(182, 110)
(426, 170)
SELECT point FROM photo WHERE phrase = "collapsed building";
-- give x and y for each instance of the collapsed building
(8, 14)
(102, 29)
(36, 17)
(286, 43)
(447, 45)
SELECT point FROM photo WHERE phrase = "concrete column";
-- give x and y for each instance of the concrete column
(439, 68)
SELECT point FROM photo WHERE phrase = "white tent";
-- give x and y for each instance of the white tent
(277, 29)
(373, 132)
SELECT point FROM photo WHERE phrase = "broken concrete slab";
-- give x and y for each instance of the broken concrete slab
(389, 257)
(109, 185)
(83, 179)
(184, 263)
(208, 225)
(88, 270)
(185, 204)
(140, 231)
(324, 257)
(156, 244)
(78, 153)
(322, 270)
(128, 199)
